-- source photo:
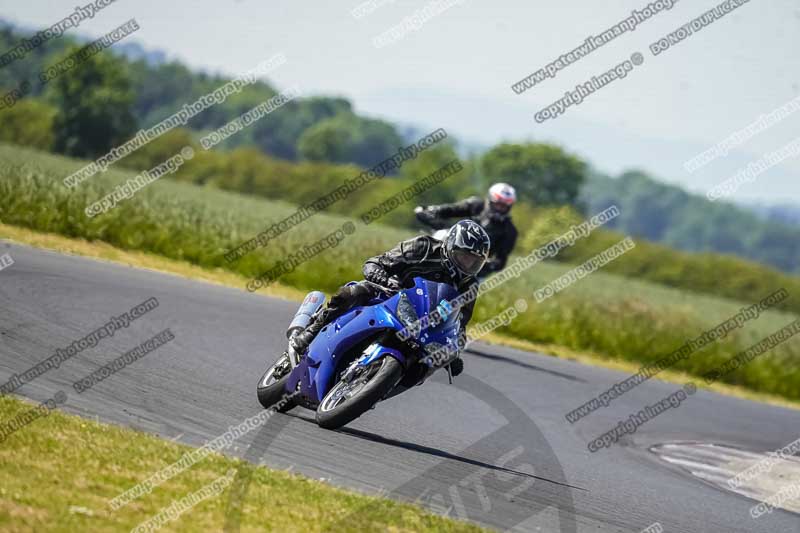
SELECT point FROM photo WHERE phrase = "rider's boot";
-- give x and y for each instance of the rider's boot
(301, 341)
(344, 299)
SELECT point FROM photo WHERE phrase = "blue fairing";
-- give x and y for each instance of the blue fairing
(315, 375)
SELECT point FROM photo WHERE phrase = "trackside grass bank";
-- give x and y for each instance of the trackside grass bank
(60, 471)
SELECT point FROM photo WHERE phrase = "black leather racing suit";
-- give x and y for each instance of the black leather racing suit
(418, 257)
(501, 229)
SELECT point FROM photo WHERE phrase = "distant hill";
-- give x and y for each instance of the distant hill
(670, 215)
(788, 214)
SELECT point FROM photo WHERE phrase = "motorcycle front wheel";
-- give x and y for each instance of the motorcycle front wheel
(347, 401)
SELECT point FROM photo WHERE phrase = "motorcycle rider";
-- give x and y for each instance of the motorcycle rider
(456, 260)
(492, 213)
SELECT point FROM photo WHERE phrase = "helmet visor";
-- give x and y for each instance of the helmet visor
(467, 262)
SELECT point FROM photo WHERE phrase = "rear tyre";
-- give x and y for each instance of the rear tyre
(271, 388)
(347, 401)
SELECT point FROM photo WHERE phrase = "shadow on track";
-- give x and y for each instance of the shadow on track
(499, 495)
(419, 448)
(529, 366)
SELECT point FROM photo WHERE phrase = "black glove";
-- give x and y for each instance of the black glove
(376, 274)
(456, 366)
(426, 215)
(393, 283)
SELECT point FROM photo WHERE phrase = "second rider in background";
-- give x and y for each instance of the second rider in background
(493, 213)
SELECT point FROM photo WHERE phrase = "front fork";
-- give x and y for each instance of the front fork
(371, 353)
(294, 357)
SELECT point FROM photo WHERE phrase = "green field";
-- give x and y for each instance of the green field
(613, 316)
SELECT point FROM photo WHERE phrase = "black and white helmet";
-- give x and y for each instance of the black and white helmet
(466, 247)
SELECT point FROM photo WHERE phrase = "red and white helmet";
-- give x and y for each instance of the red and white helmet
(502, 196)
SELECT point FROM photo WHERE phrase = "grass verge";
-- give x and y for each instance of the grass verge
(60, 471)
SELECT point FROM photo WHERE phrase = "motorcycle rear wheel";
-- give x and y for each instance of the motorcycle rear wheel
(271, 388)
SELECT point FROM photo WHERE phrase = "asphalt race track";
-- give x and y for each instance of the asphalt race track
(494, 447)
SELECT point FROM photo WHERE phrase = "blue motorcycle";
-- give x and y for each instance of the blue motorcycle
(368, 354)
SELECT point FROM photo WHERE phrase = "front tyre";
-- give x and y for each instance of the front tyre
(347, 401)
(272, 385)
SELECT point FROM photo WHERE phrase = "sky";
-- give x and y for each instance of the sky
(455, 71)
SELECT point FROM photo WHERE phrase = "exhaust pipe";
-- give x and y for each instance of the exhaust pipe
(311, 304)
